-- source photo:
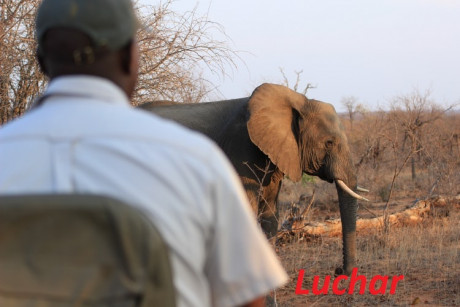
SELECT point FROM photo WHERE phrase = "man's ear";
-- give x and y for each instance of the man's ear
(126, 55)
(41, 62)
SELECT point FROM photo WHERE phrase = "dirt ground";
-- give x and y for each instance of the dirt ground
(426, 254)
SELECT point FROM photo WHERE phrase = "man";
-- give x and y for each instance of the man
(83, 137)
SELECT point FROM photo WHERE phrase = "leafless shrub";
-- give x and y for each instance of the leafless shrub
(409, 151)
(353, 108)
(175, 50)
(20, 77)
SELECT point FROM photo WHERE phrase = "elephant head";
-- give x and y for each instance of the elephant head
(303, 135)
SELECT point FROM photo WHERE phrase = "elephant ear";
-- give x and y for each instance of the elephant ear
(270, 126)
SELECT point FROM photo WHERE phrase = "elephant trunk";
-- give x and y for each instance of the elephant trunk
(348, 207)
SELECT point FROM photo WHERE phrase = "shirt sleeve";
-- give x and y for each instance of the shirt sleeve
(241, 264)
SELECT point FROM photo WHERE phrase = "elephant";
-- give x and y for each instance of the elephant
(277, 132)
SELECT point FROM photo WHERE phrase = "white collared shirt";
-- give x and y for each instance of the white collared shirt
(86, 138)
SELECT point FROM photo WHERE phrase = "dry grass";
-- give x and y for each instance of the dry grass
(427, 254)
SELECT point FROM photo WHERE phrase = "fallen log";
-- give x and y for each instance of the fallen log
(435, 206)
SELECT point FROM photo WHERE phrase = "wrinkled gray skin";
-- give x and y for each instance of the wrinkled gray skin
(286, 131)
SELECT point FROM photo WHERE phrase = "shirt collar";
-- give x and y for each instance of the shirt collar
(88, 86)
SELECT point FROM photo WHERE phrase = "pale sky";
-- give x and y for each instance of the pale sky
(373, 50)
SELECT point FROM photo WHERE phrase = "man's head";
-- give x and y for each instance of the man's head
(93, 37)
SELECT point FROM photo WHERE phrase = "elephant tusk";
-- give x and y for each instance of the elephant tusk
(350, 191)
(360, 189)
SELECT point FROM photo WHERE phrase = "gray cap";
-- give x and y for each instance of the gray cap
(109, 23)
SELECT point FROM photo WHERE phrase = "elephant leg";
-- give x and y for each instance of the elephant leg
(268, 209)
(252, 188)
(263, 200)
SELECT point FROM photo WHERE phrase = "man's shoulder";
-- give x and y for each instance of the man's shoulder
(109, 122)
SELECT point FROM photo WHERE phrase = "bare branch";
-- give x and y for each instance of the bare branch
(296, 85)
(176, 50)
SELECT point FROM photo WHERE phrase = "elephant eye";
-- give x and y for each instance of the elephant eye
(329, 144)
